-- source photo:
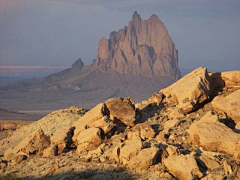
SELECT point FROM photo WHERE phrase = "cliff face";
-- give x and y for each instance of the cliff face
(141, 48)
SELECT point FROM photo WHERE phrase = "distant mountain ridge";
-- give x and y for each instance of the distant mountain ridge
(136, 61)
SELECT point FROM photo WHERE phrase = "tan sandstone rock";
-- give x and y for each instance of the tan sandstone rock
(214, 136)
(237, 152)
(90, 119)
(170, 124)
(144, 130)
(113, 153)
(63, 138)
(129, 149)
(49, 124)
(208, 162)
(156, 99)
(34, 142)
(145, 158)
(51, 151)
(172, 150)
(231, 78)
(122, 110)
(88, 139)
(190, 91)
(229, 105)
(9, 126)
(183, 167)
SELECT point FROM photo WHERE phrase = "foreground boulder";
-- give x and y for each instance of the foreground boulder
(130, 149)
(62, 138)
(33, 143)
(88, 139)
(90, 119)
(190, 91)
(183, 167)
(212, 135)
(145, 158)
(122, 110)
(231, 78)
(229, 105)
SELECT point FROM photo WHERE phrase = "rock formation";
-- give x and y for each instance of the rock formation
(155, 139)
(135, 61)
(141, 48)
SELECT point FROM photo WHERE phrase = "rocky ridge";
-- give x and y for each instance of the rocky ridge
(172, 135)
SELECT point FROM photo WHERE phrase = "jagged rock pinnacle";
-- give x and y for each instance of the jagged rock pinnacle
(144, 47)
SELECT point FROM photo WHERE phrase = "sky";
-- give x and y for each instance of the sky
(58, 32)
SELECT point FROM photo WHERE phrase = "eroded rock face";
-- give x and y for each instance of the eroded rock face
(130, 149)
(144, 130)
(145, 158)
(88, 139)
(62, 138)
(90, 118)
(190, 91)
(122, 110)
(229, 105)
(141, 48)
(212, 135)
(34, 142)
(231, 78)
(183, 167)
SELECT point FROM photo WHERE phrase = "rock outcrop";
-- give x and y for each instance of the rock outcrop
(152, 140)
(144, 47)
(183, 167)
(229, 105)
(122, 110)
(190, 91)
(33, 143)
(212, 135)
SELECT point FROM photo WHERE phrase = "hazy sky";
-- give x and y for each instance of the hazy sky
(58, 32)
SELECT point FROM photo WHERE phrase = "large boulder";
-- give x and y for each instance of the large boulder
(190, 91)
(130, 149)
(183, 167)
(229, 105)
(34, 142)
(91, 118)
(122, 110)
(145, 158)
(88, 139)
(231, 78)
(62, 138)
(212, 135)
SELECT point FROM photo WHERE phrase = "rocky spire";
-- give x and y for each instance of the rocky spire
(78, 65)
(144, 47)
